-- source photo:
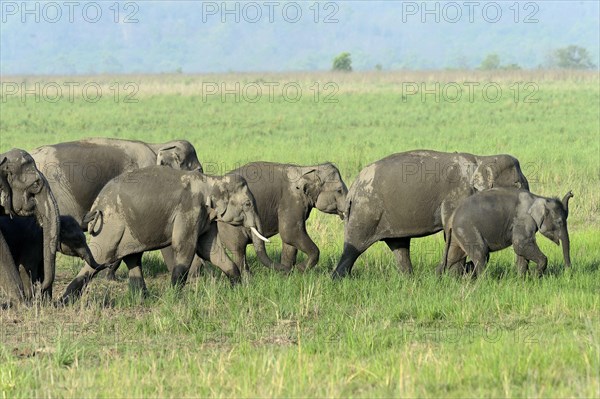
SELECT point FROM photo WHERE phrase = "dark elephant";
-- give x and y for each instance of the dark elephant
(26, 192)
(285, 196)
(495, 219)
(156, 207)
(25, 241)
(412, 194)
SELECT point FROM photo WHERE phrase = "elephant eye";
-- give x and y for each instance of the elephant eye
(247, 204)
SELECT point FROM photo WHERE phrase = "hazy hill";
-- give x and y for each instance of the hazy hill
(199, 37)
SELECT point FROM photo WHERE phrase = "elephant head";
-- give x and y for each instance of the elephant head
(30, 195)
(231, 202)
(178, 154)
(324, 187)
(550, 216)
(498, 171)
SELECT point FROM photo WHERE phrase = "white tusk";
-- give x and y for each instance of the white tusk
(256, 233)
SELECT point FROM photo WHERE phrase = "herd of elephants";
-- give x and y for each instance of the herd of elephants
(132, 197)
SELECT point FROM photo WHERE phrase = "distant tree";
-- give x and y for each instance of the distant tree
(572, 57)
(342, 62)
(378, 67)
(512, 67)
(490, 62)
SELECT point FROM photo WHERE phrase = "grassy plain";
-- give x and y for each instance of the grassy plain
(378, 334)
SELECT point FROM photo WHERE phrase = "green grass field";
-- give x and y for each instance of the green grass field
(378, 334)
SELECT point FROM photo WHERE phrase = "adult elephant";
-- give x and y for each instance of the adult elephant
(136, 213)
(78, 170)
(412, 194)
(285, 195)
(26, 192)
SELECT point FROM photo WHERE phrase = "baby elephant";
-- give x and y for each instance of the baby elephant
(25, 239)
(154, 207)
(494, 219)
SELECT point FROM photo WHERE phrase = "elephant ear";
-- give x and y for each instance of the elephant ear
(218, 202)
(309, 182)
(170, 154)
(538, 212)
(212, 213)
(483, 177)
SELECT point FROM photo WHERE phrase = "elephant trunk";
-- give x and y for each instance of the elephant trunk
(252, 222)
(566, 247)
(6, 196)
(565, 201)
(49, 219)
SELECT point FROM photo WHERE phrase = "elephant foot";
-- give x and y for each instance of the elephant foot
(111, 275)
(340, 274)
(280, 267)
(235, 281)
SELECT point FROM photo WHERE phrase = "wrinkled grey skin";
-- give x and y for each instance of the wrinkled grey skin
(78, 170)
(412, 194)
(25, 241)
(156, 207)
(285, 195)
(495, 219)
(26, 192)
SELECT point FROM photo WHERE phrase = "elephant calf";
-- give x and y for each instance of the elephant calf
(494, 219)
(154, 207)
(285, 195)
(24, 238)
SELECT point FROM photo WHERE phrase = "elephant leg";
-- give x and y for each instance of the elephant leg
(288, 255)
(349, 257)
(196, 268)
(479, 255)
(401, 249)
(111, 274)
(210, 248)
(75, 288)
(136, 275)
(168, 255)
(455, 256)
(27, 284)
(522, 266)
(301, 240)
(529, 250)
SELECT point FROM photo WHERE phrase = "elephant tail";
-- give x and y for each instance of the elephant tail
(447, 249)
(94, 221)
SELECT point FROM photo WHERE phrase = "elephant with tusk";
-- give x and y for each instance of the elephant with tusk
(156, 207)
(285, 195)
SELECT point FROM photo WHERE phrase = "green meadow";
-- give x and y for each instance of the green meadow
(377, 334)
